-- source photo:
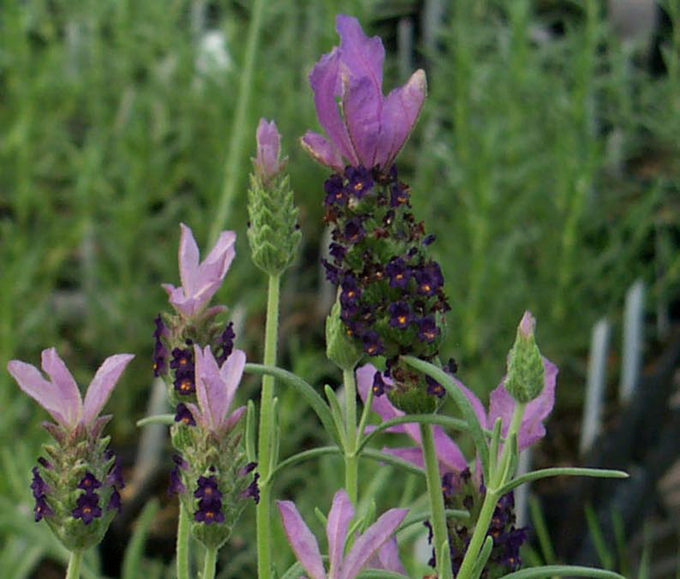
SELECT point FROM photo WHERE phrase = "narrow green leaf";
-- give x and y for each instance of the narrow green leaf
(305, 390)
(482, 558)
(379, 574)
(135, 549)
(392, 460)
(306, 455)
(541, 530)
(454, 423)
(251, 421)
(595, 529)
(561, 571)
(463, 404)
(561, 471)
(166, 419)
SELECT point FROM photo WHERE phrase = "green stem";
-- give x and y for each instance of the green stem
(183, 535)
(498, 479)
(434, 489)
(236, 148)
(209, 564)
(73, 571)
(264, 452)
(351, 462)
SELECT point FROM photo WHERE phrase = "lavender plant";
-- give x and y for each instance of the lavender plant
(390, 307)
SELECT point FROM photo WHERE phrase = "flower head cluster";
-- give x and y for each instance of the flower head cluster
(77, 488)
(375, 548)
(371, 129)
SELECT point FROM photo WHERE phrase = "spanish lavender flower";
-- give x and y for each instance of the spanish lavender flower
(268, 163)
(70, 485)
(373, 547)
(372, 128)
(199, 281)
(184, 415)
(182, 364)
(225, 344)
(160, 353)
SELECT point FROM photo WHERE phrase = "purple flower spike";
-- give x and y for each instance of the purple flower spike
(60, 395)
(199, 281)
(367, 549)
(267, 163)
(372, 128)
(216, 388)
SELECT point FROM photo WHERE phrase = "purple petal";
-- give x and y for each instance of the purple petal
(326, 85)
(399, 114)
(362, 56)
(370, 542)
(43, 392)
(197, 414)
(60, 376)
(361, 105)
(301, 540)
(102, 385)
(210, 389)
(527, 325)
(387, 558)
(412, 454)
(381, 404)
(234, 417)
(231, 374)
(268, 149)
(502, 404)
(477, 405)
(448, 454)
(216, 264)
(339, 518)
(188, 260)
(322, 151)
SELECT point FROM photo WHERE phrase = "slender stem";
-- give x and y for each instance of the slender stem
(351, 462)
(183, 536)
(491, 499)
(236, 148)
(264, 453)
(434, 489)
(209, 564)
(73, 571)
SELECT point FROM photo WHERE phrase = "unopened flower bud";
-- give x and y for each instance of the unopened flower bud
(273, 233)
(341, 348)
(526, 374)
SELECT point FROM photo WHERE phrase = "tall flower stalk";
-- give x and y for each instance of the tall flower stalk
(274, 237)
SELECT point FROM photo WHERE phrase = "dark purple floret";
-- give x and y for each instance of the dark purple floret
(44, 462)
(209, 512)
(434, 388)
(250, 467)
(451, 367)
(225, 344)
(428, 330)
(41, 509)
(360, 181)
(89, 482)
(115, 502)
(332, 272)
(87, 508)
(448, 484)
(115, 477)
(183, 364)
(429, 239)
(253, 490)
(160, 354)
(399, 194)
(38, 485)
(429, 279)
(337, 251)
(349, 297)
(183, 415)
(336, 193)
(400, 315)
(208, 489)
(179, 461)
(354, 232)
(379, 385)
(372, 343)
(176, 485)
(398, 272)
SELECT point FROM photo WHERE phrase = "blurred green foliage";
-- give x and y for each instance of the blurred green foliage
(544, 162)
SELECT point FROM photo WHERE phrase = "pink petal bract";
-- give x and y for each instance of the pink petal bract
(301, 540)
(99, 391)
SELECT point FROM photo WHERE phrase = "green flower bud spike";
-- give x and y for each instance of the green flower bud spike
(526, 374)
(341, 348)
(273, 232)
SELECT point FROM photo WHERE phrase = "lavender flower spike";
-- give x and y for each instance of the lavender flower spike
(60, 395)
(267, 163)
(199, 281)
(372, 128)
(372, 547)
(216, 388)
